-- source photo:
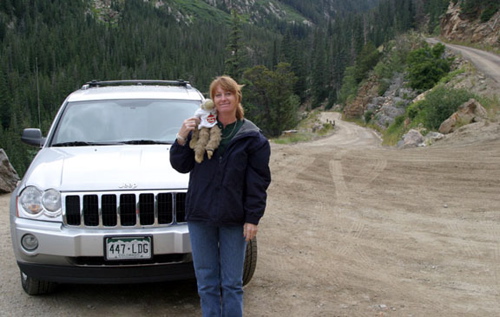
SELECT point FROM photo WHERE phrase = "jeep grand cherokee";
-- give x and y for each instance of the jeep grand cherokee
(100, 202)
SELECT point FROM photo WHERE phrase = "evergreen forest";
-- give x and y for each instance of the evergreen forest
(49, 48)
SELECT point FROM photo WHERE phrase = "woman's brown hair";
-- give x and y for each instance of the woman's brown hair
(229, 84)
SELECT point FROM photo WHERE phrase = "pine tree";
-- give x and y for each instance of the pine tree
(319, 75)
(233, 62)
(5, 101)
(269, 98)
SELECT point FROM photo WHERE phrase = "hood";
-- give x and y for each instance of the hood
(105, 168)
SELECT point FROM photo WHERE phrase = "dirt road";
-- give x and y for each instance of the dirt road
(486, 62)
(352, 229)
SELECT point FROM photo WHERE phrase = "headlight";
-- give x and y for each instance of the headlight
(51, 200)
(36, 202)
(31, 200)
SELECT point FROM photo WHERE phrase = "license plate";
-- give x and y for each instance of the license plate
(128, 248)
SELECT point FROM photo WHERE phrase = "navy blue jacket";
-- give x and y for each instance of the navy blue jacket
(228, 189)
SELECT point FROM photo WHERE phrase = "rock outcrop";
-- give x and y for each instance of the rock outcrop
(456, 28)
(357, 107)
(8, 175)
(385, 108)
(469, 112)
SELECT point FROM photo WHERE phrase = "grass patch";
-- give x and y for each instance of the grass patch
(394, 132)
(492, 106)
(305, 130)
(294, 138)
(448, 77)
(201, 10)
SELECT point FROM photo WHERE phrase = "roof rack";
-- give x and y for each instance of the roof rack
(98, 83)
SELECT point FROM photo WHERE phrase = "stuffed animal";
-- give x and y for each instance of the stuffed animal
(208, 135)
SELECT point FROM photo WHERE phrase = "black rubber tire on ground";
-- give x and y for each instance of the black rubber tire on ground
(33, 286)
(250, 261)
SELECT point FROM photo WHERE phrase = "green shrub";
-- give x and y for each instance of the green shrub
(441, 103)
(368, 116)
(384, 84)
(429, 113)
(489, 12)
(426, 66)
(399, 121)
(414, 109)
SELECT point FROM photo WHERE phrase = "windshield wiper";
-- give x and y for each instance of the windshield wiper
(146, 142)
(85, 143)
(73, 143)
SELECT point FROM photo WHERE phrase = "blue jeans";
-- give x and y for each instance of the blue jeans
(218, 257)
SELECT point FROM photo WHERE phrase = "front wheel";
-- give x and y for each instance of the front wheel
(250, 261)
(33, 286)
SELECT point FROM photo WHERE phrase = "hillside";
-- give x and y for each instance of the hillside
(258, 13)
(473, 73)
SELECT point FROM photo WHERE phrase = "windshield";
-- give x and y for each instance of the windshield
(107, 122)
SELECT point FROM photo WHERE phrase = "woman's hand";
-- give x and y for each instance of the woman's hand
(187, 126)
(250, 231)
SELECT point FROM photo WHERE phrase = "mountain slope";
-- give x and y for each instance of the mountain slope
(316, 12)
(254, 11)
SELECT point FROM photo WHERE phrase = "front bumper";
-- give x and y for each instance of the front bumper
(108, 275)
(76, 255)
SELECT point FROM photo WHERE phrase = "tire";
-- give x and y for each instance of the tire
(33, 286)
(250, 261)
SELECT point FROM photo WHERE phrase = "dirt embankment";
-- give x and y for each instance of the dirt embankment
(352, 229)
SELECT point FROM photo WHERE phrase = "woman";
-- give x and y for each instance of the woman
(226, 199)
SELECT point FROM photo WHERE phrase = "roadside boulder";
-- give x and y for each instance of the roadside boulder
(8, 175)
(432, 137)
(411, 139)
(469, 112)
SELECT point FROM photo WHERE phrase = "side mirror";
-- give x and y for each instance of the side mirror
(33, 136)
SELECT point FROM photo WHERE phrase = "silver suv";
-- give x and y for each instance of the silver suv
(100, 202)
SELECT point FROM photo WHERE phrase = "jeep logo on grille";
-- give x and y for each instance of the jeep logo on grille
(128, 186)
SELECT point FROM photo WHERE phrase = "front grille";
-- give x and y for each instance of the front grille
(124, 210)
